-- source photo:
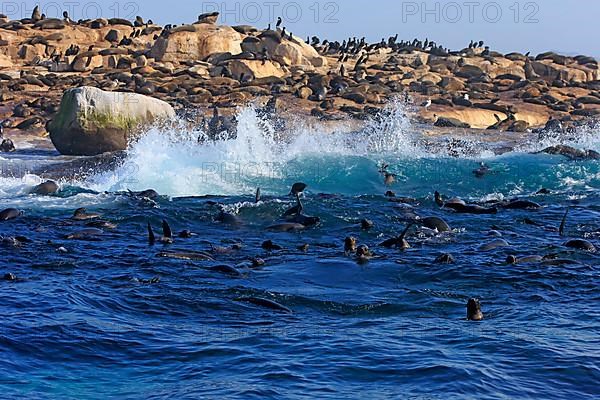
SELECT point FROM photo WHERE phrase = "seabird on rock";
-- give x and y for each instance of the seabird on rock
(66, 17)
(139, 22)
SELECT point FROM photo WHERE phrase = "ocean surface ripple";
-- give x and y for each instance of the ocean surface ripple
(108, 318)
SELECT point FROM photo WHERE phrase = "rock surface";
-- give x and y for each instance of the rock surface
(206, 71)
(198, 43)
(91, 121)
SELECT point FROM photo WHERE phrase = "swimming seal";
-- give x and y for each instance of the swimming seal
(81, 215)
(286, 227)
(366, 224)
(46, 188)
(298, 188)
(435, 223)
(266, 303)
(270, 246)
(460, 207)
(493, 245)
(148, 194)
(513, 260)
(304, 247)
(363, 254)
(305, 220)
(571, 153)
(388, 178)
(581, 244)
(228, 218)
(444, 259)
(101, 224)
(349, 245)
(482, 171)
(186, 234)
(520, 205)
(10, 277)
(91, 234)
(10, 213)
(226, 269)
(474, 310)
(7, 146)
(225, 250)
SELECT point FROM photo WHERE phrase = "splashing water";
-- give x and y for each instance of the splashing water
(185, 162)
(175, 162)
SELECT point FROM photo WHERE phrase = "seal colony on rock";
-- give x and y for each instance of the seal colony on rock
(318, 79)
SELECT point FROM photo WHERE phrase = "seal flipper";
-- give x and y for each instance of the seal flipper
(151, 237)
(300, 205)
(403, 235)
(257, 197)
(438, 199)
(398, 241)
(561, 230)
(167, 230)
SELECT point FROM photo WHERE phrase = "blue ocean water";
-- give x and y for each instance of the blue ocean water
(109, 318)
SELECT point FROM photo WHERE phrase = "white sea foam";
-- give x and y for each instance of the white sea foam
(175, 163)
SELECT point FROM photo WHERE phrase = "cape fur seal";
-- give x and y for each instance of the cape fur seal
(474, 310)
(265, 303)
(46, 188)
(10, 213)
(459, 206)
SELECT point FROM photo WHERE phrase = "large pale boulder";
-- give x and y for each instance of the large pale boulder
(255, 69)
(197, 43)
(91, 121)
(548, 70)
(285, 51)
(87, 62)
(5, 61)
(298, 53)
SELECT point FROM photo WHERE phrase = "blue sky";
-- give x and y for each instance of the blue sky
(567, 26)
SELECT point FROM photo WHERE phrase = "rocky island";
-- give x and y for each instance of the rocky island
(114, 74)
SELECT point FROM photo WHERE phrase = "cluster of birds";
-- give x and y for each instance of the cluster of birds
(354, 46)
